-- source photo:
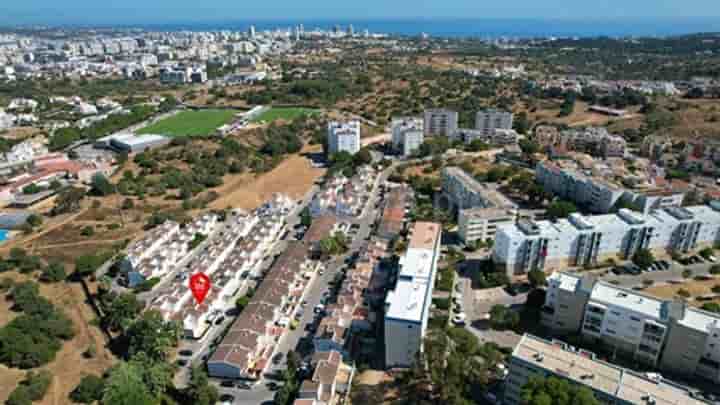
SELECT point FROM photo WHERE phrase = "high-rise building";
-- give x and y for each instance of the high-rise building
(440, 122)
(351, 30)
(407, 306)
(407, 135)
(251, 32)
(344, 137)
(489, 120)
(581, 241)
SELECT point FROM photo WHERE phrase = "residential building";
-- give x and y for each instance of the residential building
(480, 207)
(344, 197)
(497, 137)
(581, 241)
(487, 121)
(654, 147)
(441, 122)
(407, 305)
(397, 203)
(330, 381)
(597, 191)
(610, 384)
(407, 135)
(344, 137)
(593, 140)
(670, 335)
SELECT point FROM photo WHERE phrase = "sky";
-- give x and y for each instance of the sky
(95, 12)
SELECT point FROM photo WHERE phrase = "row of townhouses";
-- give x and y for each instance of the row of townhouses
(160, 250)
(584, 241)
(610, 384)
(229, 259)
(670, 335)
(344, 197)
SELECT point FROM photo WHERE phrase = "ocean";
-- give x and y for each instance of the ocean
(480, 28)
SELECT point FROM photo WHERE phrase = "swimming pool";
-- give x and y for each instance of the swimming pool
(3, 235)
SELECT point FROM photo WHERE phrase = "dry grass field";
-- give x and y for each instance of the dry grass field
(696, 288)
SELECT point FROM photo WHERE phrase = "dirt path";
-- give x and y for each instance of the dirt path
(85, 242)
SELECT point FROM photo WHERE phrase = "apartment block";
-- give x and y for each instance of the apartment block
(440, 122)
(487, 121)
(598, 192)
(610, 384)
(343, 137)
(480, 207)
(407, 306)
(497, 137)
(594, 141)
(581, 241)
(407, 135)
(670, 335)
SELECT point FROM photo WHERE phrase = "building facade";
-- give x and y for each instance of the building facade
(582, 241)
(407, 305)
(344, 137)
(440, 122)
(407, 135)
(670, 335)
(487, 121)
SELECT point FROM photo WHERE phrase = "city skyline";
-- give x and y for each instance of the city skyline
(86, 12)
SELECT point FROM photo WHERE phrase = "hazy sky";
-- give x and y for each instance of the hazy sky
(160, 11)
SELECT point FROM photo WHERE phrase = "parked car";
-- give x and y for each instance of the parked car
(459, 319)
(227, 398)
(278, 358)
(220, 320)
(185, 352)
(244, 386)
(227, 383)
(181, 362)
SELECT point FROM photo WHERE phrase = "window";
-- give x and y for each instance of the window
(610, 331)
(634, 318)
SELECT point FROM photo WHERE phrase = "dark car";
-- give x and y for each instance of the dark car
(227, 383)
(272, 386)
(185, 352)
(226, 398)
(181, 362)
(277, 359)
(244, 386)
(220, 320)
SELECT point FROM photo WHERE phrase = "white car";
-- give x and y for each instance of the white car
(459, 319)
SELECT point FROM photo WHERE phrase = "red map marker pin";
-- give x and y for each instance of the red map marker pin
(199, 285)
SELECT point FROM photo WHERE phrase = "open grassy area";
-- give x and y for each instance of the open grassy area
(283, 113)
(190, 123)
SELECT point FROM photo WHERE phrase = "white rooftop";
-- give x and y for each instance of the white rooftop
(407, 300)
(700, 320)
(611, 295)
(567, 282)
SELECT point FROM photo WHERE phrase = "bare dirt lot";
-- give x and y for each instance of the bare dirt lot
(294, 177)
(696, 288)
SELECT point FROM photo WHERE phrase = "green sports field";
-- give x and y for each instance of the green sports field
(283, 113)
(190, 123)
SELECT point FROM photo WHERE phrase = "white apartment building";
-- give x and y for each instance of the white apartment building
(344, 137)
(662, 333)
(440, 121)
(487, 121)
(600, 195)
(581, 241)
(497, 137)
(610, 384)
(482, 223)
(407, 135)
(407, 306)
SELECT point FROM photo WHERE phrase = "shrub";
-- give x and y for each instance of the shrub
(89, 390)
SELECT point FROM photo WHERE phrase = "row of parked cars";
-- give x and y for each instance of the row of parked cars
(635, 270)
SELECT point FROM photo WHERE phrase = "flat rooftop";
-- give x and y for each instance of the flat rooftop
(424, 235)
(609, 294)
(582, 367)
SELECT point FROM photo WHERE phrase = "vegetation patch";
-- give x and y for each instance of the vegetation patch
(284, 113)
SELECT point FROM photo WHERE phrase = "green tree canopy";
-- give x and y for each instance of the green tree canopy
(555, 391)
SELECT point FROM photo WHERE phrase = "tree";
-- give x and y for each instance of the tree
(87, 264)
(101, 186)
(87, 231)
(53, 273)
(529, 147)
(89, 390)
(34, 220)
(120, 310)
(151, 335)
(683, 293)
(68, 200)
(306, 218)
(199, 390)
(537, 278)
(503, 318)
(711, 307)
(124, 386)
(127, 204)
(32, 388)
(555, 391)
(560, 209)
(687, 273)
(715, 269)
(643, 258)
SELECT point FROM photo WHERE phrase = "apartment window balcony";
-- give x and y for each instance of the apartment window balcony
(548, 310)
(642, 348)
(705, 362)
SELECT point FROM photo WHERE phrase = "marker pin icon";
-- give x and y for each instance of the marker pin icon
(199, 285)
